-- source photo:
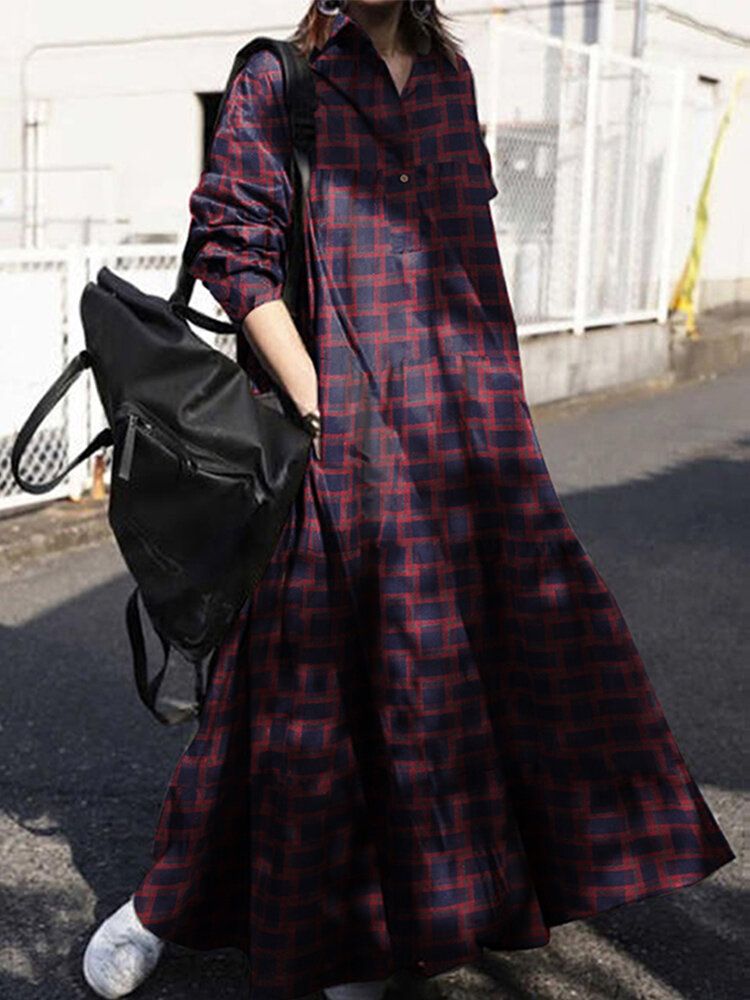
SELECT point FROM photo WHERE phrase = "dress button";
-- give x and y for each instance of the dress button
(404, 178)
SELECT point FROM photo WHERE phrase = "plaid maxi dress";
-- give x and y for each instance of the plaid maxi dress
(429, 730)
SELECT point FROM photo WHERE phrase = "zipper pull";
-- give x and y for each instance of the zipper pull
(126, 459)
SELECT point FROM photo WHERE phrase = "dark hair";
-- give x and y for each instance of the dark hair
(312, 31)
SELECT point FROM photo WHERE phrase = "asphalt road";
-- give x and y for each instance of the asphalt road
(657, 487)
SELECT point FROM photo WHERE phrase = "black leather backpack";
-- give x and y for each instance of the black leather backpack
(204, 471)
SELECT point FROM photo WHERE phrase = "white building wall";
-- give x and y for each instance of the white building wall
(116, 89)
(703, 53)
(118, 144)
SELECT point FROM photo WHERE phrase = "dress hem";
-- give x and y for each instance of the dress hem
(427, 970)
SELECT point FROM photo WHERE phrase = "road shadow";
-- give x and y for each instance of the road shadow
(84, 767)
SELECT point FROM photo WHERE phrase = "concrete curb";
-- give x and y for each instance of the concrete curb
(560, 367)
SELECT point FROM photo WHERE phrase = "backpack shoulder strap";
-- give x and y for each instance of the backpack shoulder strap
(173, 711)
(300, 99)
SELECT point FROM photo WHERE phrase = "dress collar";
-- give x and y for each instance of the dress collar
(340, 22)
(342, 25)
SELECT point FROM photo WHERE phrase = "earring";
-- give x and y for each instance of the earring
(421, 10)
(330, 7)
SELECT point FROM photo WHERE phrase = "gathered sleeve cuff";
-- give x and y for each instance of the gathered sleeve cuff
(241, 207)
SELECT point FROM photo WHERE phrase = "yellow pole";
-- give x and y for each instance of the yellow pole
(683, 299)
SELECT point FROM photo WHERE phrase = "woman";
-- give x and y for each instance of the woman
(430, 730)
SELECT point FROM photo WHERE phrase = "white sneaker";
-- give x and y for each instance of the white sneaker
(372, 990)
(121, 954)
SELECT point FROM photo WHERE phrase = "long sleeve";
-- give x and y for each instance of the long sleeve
(240, 209)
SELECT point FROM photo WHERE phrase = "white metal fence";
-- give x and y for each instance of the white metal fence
(585, 152)
(38, 335)
(40, 292)
(584, 148)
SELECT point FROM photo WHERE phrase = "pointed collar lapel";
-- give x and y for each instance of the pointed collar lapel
(345, 26)
(339, 23)
(348, 59)
(347, 42)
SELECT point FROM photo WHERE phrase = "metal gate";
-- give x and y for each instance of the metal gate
(584, 145)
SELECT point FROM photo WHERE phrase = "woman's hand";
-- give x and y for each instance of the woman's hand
(276, 341)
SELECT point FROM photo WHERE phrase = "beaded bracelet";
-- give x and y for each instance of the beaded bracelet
(311, 422)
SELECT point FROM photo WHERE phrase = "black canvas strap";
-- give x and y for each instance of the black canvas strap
(177, 711)
(49, 400)
(200, 319)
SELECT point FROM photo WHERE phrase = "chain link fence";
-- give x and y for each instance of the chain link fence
(584, 145)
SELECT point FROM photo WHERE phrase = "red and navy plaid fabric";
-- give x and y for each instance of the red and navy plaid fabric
(430, 730)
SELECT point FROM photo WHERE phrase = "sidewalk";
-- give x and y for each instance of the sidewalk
(51, 527)
(724, 343)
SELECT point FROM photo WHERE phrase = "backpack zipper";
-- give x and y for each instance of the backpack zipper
(126, 458)
(166, 440)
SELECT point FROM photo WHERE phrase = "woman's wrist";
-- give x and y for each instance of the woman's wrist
(305, 408)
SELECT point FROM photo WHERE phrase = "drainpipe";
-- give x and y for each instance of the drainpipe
(639, 28)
